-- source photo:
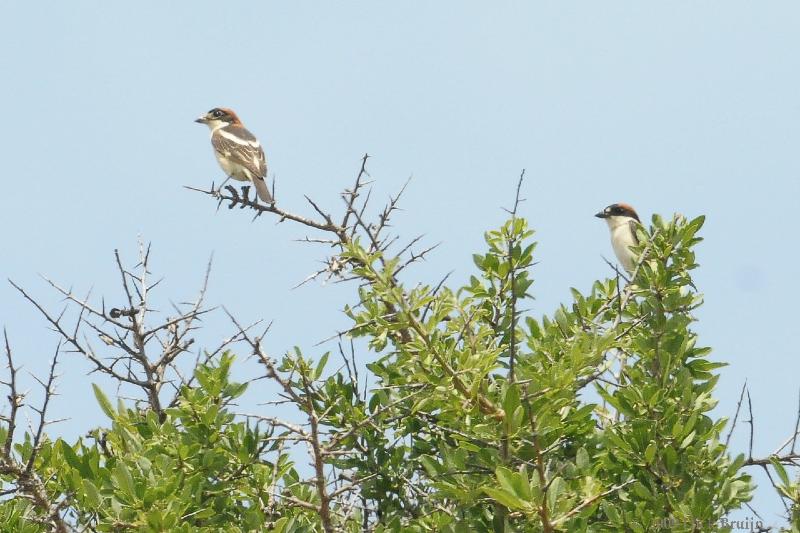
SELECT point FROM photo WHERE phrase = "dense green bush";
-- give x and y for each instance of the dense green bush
(478, 417)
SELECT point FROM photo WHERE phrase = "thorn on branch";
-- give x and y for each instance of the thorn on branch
(736, 414)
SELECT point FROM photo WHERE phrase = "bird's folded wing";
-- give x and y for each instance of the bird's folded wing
(241, 147)
(634, 226)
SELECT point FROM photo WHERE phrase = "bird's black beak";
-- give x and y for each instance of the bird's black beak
(201, 120)
(601, 214)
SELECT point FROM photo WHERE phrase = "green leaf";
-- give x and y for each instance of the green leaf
(781, 471)
(91, 493)
(430, 465)
(688, 439)
(280, 525)
(702, 365)
(582, 458)
(105, 405)
(321, 365)
(124, 480)
(506, 478)
(641, 491)
(650, 453)
(511, 400)
(505, 498)
(554, 491)
(73, 460)
(610, 511)
(533, 326)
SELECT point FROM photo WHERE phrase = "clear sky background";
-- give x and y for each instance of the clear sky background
(690, 107)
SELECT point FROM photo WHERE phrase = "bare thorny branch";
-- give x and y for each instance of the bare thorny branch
(780, 456)
(25, 480)
(133, 351)
(512, 276)
(354, 225)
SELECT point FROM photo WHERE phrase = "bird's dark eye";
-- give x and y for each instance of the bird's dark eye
(216, 113)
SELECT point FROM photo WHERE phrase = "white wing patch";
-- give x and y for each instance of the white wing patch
(238, 140)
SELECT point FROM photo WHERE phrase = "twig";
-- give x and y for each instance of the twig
(589, 501)
(14, 399)
(27, 482)
(796, 424)
(736, 415)
(750, 408)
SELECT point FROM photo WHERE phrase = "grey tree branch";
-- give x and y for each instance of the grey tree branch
(26, 482)
(127, 333)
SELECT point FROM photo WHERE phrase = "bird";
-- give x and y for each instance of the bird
(622, 221)
(237, 150)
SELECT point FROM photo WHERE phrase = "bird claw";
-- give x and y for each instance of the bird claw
(245, 194)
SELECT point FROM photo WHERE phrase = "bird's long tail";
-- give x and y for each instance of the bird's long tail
(263, 190)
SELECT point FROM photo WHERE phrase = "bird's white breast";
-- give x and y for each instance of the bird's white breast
(622, 238)
(233, 169)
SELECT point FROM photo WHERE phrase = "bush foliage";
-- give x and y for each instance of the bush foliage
(478, 416)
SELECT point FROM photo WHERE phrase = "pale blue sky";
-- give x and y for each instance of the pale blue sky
(679, 106)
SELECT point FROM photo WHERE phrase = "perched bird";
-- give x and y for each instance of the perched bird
(622, 221)
(238, 151)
